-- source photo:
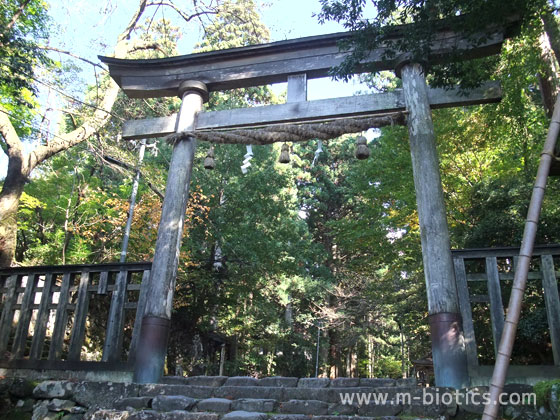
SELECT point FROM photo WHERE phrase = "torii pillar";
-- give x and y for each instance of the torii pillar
(448, 347)
(152, 346)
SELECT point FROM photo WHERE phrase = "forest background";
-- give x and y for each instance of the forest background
(285, 264)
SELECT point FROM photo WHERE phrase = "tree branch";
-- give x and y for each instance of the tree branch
(185, 16)
(133, 22)
(113, 161)
(16, 15)
(90, 126)
(102, 113)
(11, 145)
(85, 60)
(138, 46)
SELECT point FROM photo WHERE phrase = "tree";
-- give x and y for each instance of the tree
(474, 20)
(21, 164)
(23, 25)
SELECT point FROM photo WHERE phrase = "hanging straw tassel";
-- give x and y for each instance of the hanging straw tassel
(362, 151)
(285, 154)
(209, 162)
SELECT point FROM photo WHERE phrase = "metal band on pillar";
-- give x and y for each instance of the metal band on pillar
(448, 347)
(152, 346)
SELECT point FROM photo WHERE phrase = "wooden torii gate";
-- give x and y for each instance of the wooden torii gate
(193, 76)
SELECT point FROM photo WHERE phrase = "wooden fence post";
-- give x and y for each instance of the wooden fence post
(40, 329)
(7, 317)
(152, 345)
(496, 303)
(552, 302)
(448, 347)
(466, 312)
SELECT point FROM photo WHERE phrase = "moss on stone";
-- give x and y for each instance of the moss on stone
(542, 391)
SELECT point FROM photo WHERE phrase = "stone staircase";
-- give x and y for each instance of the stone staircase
(246, 398)
(273, 398)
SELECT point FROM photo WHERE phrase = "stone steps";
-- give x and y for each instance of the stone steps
(307, 401)
(166, 403)
(211, 398)
(243, 398)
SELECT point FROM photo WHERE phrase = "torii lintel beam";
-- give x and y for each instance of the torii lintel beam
(272, 63)
(305, 111)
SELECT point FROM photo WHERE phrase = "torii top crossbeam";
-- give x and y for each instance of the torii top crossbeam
(273, 62)
(310, 57)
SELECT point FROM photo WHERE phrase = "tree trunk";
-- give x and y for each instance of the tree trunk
(289, 313)
(547, 76)
(553, 32)
(349, 362)
(403, 361)
(9, 202)
(324, 352)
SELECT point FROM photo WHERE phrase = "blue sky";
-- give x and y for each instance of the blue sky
(85, 24)
(94, 29)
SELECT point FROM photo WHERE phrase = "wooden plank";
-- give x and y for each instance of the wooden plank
(139, 315)
(304, 111)
(76, 268)
(466, 311)
(152, 127)
(480, 299)
(61, 318)
(532, 275)
(65, 365)
(10, 298)
(22, 329)
(80, 316)
(41, 323)
(496, 304)
(70, 307)
(95, 288)
(113, 337)
(552, 302)
(103, 280)
(504, 251)
(272, 63)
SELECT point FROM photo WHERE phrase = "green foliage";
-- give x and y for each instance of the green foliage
(388, 368)
(475, 21)
(237, 24)
(24, 26)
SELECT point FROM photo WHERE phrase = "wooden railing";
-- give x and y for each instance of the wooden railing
(496, 265)
(55, 317)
